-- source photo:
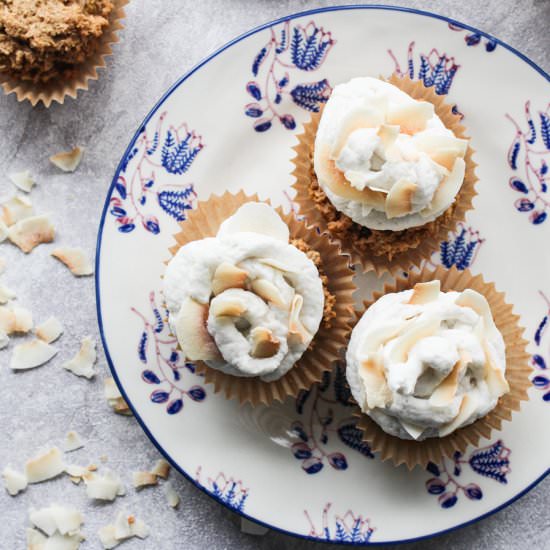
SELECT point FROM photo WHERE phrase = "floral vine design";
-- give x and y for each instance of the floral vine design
(164, 364)
(529, 153)
(135, 189)
(319, 408)
(475, 38)
(348, 527)
(434, 68)
(290, 49)
(541, 380)
(228, 490)
(492, 461)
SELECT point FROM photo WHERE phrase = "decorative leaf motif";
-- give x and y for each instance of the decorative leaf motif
(517, 185)
(473, 491)
(253, 110)
(312, 465)
(540, 330)
(301, 451)
(433, 469)
(537, 218)
(258, 60)
(142, 347)
(301, 400)
(150, 377)
(524, 205)
(308, 51)
(352, 436)
(435, 486)
(127, 228)
(491, 462)
(513, 153)
(175, 203)
(288, 122)
(298, 429)
(197, 393)
(151, 224)
(447, 500)
(539, 361)
(120, 186)
(159, 396)
(254, 90)
(262, 125)
(545, 129)
(473, 39)
(176, 157)
(311, 96)
(174, 406)
(541, 382)
(338, 461)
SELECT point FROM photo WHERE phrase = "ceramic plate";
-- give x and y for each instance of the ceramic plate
(230, 124)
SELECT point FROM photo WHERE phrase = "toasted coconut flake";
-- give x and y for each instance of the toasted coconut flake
(76, 471)
(75, 259)
(114, 398)
(68, 161)
(50, 330)
(30, 232)
(6, 294)
(228, 276)
(14, 481)
(82, 364)
(446, 391)
(399, 199)
(15, 209)
(172, 497)
(264, 344)
(227, 308)
(424, 293)
(4, 230)
(15, 319)
(72, 442)
(66, 521)
(377, 392)
(295, 327)
(31, 354)
(22, 180)
(161, 468)
(126, 526)
(411, 117)
(63, 542)
(255, 217)
(46, 465)
(4, 339)
(103, 487)
(143, 479)
(35, 539)
(193, 336)
(467, 408)
(267, 291)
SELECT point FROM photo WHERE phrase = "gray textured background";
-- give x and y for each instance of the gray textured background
(162, 39)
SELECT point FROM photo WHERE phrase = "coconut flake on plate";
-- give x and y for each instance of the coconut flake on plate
(23, 180)
(172, 497)
(15, 209)
(14, 481)
(161, 468)
(30, 232)
(82, 364)
(46, 465)
(35, 539)
(50, 330)
(68, 161)
(103, 487)
(66, 521)
(75, 259)
(31, 354)
(72, 442)
(143, 479)
(6, 294)
(125, 526)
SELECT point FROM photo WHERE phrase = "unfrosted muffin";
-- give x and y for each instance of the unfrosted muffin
(43, 40)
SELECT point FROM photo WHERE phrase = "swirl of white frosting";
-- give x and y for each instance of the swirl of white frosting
(385, 159)
(423, 363)
(245, 302)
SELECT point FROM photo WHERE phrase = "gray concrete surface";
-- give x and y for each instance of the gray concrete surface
(162, 39)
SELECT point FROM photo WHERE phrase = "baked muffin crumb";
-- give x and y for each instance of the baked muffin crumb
(45, 39)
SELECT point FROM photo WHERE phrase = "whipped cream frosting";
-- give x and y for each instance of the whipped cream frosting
(385, 159)
(423, 363)
(245, 302)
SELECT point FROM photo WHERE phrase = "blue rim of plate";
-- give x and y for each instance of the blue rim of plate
(166, 95)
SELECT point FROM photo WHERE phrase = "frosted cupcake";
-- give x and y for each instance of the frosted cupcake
(386, 170)
(249, 302)
(425, 364)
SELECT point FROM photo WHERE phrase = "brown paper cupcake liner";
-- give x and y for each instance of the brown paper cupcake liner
(58, 89)
(419, 453)
(327, 344)
(397, 251)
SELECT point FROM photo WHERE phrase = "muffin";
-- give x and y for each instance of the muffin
(427, 366)
(254, 303)
(51, 46)
(387, 169)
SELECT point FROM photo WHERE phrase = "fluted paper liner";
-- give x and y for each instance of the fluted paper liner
(432, 233)
(59, 88)
(419, 453)
(204, 222)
